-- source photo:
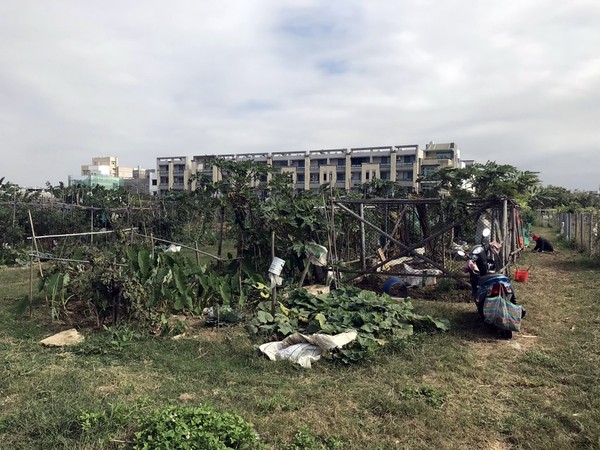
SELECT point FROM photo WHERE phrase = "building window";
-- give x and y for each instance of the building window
(300, 178)
(314, 178)
(357, 161)
(341, 176)
(428, 170)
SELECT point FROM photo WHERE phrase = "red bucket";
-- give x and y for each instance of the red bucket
(521, 275)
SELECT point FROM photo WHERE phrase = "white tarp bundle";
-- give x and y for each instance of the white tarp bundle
(306, 349)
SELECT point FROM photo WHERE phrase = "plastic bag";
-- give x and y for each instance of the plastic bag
(502, 314)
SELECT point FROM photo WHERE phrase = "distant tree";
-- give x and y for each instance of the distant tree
(586, 199)
(548, 197)
(484, 181)
(378, 188)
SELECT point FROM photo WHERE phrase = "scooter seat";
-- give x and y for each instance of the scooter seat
(489, 276)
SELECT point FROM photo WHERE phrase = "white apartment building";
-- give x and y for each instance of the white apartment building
(106, 166)
(173, 173)
(343, 168)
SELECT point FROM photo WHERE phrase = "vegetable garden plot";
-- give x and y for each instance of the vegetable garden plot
(419, 238)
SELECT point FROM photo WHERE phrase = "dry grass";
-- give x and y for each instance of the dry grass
(462, 389)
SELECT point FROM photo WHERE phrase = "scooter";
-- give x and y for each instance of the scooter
(493, 292)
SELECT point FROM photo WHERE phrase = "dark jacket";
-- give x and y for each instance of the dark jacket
(543, 245)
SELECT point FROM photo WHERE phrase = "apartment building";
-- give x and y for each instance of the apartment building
(143, 182)
(436, 157)
(343, 168)
(105, 171)
(173, 173)
(106, 166)
(94, 179)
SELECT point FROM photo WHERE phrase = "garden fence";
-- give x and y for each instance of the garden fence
(581, 229)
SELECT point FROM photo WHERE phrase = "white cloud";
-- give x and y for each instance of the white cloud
(517, 81)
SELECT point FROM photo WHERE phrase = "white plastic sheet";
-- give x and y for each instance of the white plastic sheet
(306, 349)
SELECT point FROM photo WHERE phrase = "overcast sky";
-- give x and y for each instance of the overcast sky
(514, 81)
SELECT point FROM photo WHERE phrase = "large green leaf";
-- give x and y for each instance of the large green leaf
(132, 256)
(143, 259)
(264, 317)
(180, 280)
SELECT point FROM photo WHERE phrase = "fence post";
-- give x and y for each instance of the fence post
(582, 233)
(505, 243)
(591, 234)
(570, 215)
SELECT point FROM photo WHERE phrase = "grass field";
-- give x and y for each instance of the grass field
(461, 389)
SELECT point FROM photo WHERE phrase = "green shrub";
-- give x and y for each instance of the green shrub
(202, 428)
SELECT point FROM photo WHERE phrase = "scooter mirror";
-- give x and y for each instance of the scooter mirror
(486, 232)
(461, 253)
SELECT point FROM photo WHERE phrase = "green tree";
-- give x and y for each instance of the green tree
(484, 181)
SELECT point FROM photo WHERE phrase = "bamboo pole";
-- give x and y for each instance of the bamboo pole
(186, 246)
(197, 253)
(48, 236)
(92, 226)
(363, 250)
(274, 288)
(34, 240)
(334, 243)
(221, 230)
(304, 272)
(30, 283)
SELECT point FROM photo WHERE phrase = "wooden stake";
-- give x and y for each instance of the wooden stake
(304, 272)
(30, 283)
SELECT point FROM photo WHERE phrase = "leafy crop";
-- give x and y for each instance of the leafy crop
(146, 286)
(202, 428)
(378, 319)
